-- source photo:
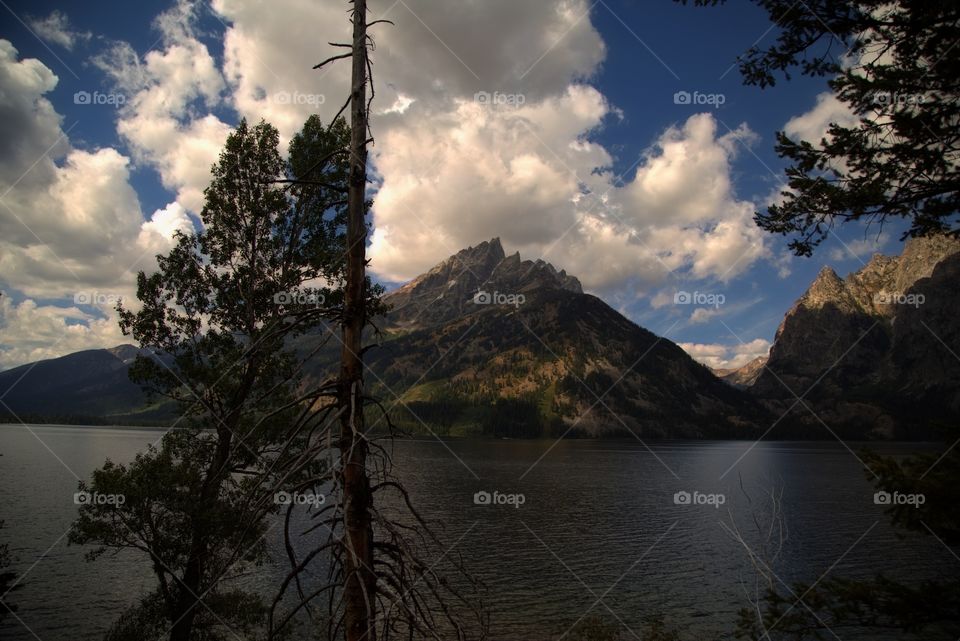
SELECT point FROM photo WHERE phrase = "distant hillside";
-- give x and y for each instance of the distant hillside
(877, 350)
(92, 384)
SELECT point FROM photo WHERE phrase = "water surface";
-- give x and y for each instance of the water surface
(598, 519)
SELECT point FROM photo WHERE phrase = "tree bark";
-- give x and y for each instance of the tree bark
(359, 590)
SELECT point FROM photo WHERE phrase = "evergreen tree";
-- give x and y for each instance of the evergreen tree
(895, 67)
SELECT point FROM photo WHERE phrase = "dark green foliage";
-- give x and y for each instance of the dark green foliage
(218, 317)
(894, 64)
(514, 418)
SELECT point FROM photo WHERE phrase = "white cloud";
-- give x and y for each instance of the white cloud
(168, 93)
(56, 29)
(717, 356)
(703, 315)
(812, 125)
(435, 53)
(452, 171)
(455, 172)
(72, 222)
(519, 174)
(33, 332)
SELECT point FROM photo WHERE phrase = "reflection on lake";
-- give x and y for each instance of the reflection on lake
(595, 516)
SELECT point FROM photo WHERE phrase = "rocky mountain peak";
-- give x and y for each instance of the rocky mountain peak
(826, 287)
(880, 332)
(125, 352)
(486, 254)
(446, 291)
(743, 376)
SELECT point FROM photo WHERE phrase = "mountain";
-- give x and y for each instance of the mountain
(446, 291)
(744, 376)
(485, 342)
(92, 384)
(875, 353)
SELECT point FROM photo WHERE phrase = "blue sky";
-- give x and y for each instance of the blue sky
(597, 84)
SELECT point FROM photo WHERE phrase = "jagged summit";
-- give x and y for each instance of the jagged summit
(877, 336)
(446, 291)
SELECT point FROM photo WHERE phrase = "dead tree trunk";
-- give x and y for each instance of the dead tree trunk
(359, 588)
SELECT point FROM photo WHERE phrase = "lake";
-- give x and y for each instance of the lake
(596, 519)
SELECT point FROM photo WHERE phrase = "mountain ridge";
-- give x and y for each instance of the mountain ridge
(869, 348)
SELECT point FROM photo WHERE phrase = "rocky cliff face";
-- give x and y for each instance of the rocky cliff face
(446, 291)
(744, 376)
(873, 353)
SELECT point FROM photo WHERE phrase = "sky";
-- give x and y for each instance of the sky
(613, 138)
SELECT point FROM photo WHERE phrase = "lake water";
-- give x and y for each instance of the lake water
(598, 519)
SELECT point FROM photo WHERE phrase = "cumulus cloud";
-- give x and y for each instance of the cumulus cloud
(456, 166)
(530, 176)
(72, 222)
(33, 332)
(812, 125)
(452, 169)
(485, 123)
(56, 29)
(718, 356)
(436, 54)
(478, 172)
(168, 93)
